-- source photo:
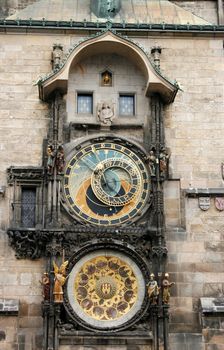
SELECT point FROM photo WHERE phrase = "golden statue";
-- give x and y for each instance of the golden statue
(59, 281)
(166, 285)
(107, 78)
(153, 290)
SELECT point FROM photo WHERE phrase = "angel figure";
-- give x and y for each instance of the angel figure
(59, 281)
(153, 290)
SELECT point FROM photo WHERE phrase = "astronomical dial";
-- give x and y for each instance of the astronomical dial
(106, 184)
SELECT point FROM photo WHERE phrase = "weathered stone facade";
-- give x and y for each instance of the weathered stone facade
(194, 134)
(205, 9)
(9, 7)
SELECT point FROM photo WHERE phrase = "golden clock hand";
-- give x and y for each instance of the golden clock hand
(98, 164)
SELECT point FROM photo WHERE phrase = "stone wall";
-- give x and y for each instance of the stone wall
(194, 133)
(206, 9)
(9, 7)
(111, 347)
(24, 121)
(187, 341)
(24, 118)
(20, 280)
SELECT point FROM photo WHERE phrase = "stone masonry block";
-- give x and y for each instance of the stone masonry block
(114, 347)
(182, 316)
(213, 336)
(26, 278)
(177, 346)
(214, 347)
(31, 322)
(2, 335)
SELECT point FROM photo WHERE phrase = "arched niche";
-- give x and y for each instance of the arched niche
(109, 42)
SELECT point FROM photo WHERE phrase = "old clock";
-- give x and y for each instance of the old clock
(106, 183)
(105, 290)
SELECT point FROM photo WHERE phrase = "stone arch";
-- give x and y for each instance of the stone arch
(110, 42)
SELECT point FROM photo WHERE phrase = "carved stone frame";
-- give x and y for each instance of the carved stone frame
(26, 177)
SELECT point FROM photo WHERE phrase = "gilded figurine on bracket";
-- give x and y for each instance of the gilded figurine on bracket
(164, 157)
(166, 285)
(59, 281)
(45, 282)
(153, 290)
(60, 160)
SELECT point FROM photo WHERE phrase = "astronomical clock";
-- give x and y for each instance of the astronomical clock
(106, 186)
(94, 209)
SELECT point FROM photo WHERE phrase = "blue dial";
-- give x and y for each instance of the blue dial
(106, 184)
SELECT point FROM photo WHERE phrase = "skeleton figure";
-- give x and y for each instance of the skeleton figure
(152, 163)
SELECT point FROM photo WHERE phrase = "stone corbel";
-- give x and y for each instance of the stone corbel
(28, 243)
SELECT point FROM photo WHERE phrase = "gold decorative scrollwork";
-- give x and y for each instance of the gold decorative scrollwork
(106, 288)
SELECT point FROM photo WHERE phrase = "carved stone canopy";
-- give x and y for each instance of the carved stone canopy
(109, 42)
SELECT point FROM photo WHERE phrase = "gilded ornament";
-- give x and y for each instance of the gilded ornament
(106, 288)
(59, 281)
(106, 79)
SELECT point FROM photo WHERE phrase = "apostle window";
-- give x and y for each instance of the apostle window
(85, 103)
(127, 104)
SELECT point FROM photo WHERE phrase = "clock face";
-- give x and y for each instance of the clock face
(105, 289)
(106, 184)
